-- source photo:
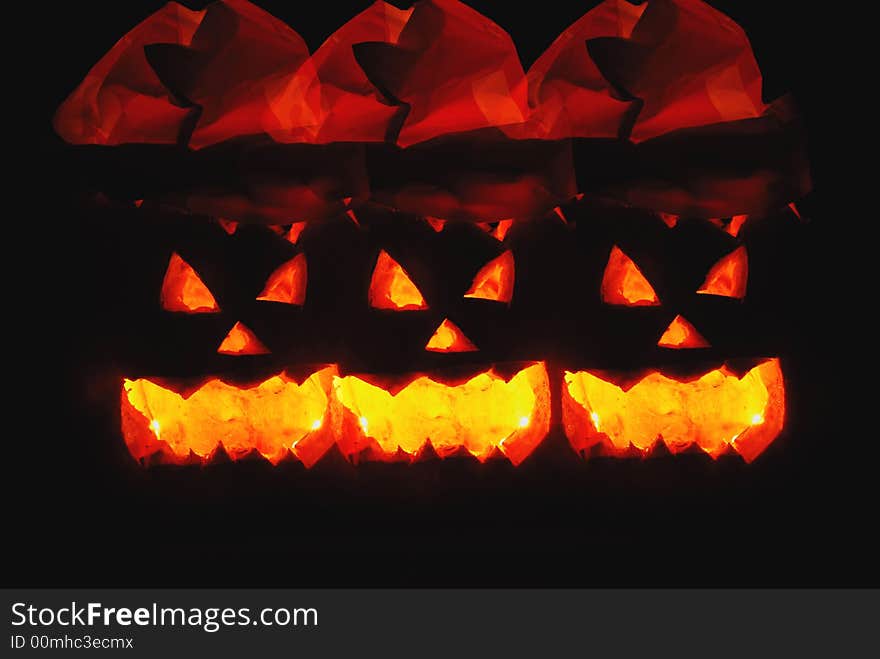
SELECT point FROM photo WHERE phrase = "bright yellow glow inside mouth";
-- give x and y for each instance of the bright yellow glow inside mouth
(715, 411)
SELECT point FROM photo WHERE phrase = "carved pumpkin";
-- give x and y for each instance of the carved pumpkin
(351, 255)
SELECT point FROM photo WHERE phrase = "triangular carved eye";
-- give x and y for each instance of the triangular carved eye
(288, 283)
(184, 291)
(242, 341)
(495, 280)
(681, 334)
(391, 287)
(624, 284)
(729, 276)
(449, 338)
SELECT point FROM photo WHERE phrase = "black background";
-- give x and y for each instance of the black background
(84, 514)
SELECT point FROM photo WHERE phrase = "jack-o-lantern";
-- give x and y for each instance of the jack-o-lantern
(404, 245)
(432, 315)
(675, 346)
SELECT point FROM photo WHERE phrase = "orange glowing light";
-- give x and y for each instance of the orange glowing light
(716, 411)
(295, 230)
(229, 226)
(669, 219)
(436, 223)
(184, 291)
(391, 287)
(729, 276)
(481, 416)
(242, 341)
(288, 283)
(624, 284)
(735, 224)
(274, 418)
(495, 280)
(449, 338)
(499, 231)
(681, 334)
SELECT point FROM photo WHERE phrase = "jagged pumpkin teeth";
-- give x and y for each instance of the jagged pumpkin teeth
(484, 415)
(275, 418)
(716, 411)
(409, 204)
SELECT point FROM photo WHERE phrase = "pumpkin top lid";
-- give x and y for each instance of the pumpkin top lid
(438, 72)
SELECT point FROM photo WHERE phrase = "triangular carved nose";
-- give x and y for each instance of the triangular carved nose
(242, 341)
(681, 334)
(449, 338)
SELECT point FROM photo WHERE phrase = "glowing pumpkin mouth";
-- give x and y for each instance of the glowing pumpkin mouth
(275, 418)
(484, 416)
(716, 411)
